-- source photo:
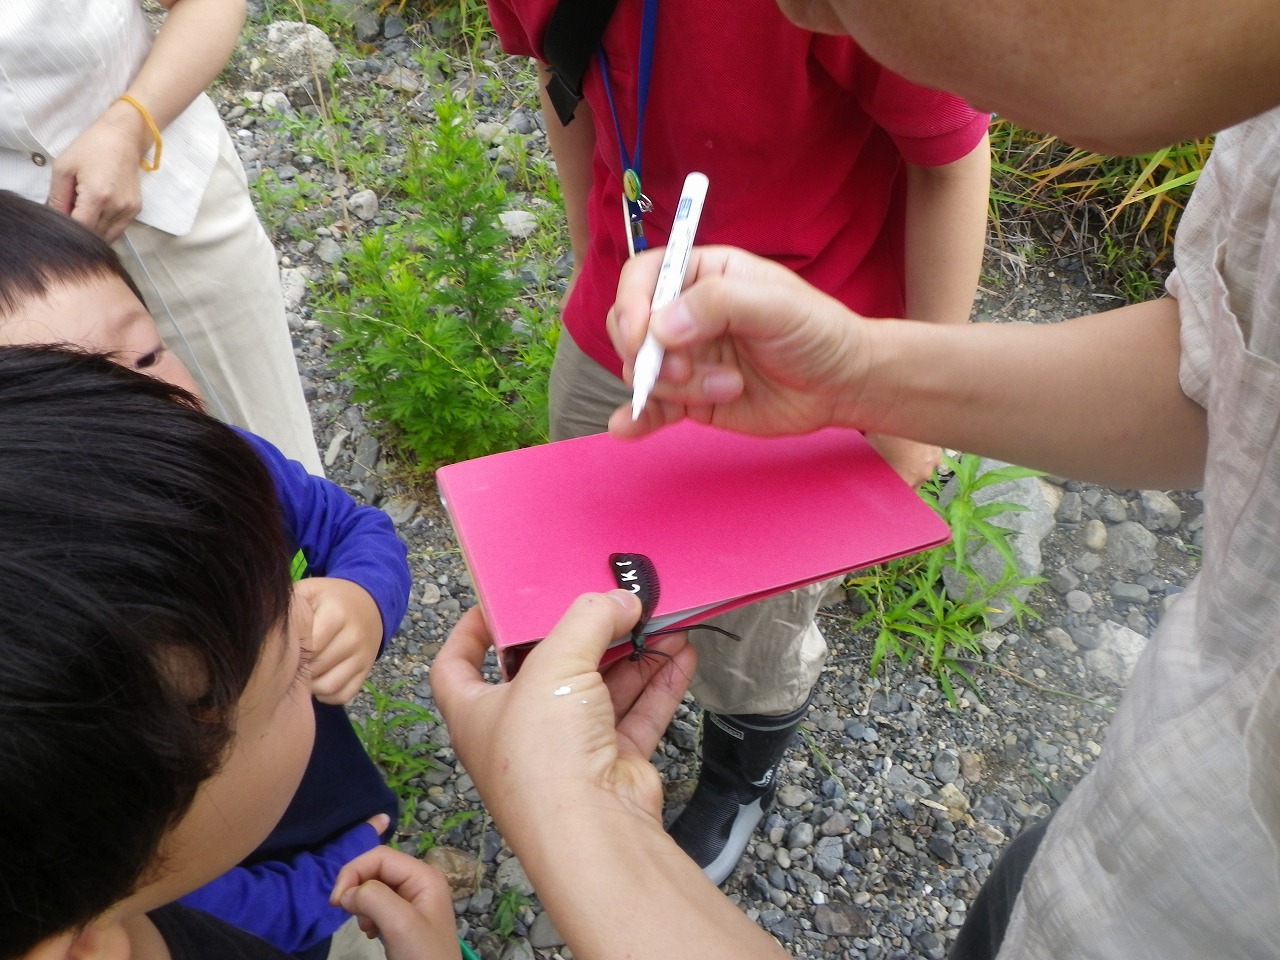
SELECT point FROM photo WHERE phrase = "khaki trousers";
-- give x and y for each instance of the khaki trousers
(215, 295)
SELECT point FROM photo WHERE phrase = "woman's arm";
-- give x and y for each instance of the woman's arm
(946, 228)
(96, 179)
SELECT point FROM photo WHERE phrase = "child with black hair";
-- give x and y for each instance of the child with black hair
(156, 673)
(60, 283)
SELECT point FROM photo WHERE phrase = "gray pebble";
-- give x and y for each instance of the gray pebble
(328, 250)
(801, 835)
(1064, 580)
(368, 28)
(1113, 510)
(1078, 601)
(519, 224)
(792, 795)
(1070, 508)
(543, 934)
(393, 28)
(841, 920)
(1159, 512)
(511, 876)
(1133, 546)
(836, 825)
(1130, 592)
(363, 204)
(518, 949)
(1094, 535)
(946, 766)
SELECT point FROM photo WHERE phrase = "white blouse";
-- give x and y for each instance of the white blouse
(62, 63)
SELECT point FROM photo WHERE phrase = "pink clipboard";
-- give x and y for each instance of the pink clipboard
(725, 518)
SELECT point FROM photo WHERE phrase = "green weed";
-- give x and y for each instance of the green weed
(907, 604)
(431, 338)
(402, 761)
(824, 762)
(428, 838)
(506, 909)
(283, 204)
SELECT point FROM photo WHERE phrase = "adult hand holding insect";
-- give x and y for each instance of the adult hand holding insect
(560, 755)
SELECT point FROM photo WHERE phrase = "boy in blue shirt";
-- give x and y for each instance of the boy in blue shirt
(61, 284)
(156, 676)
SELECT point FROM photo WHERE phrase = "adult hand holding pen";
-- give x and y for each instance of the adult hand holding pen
(749, 346)
(560, 756)
(753, 348)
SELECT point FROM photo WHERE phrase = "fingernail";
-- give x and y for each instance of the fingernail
(721, 386)
(674, 323)
(623, 598)
(347, 900)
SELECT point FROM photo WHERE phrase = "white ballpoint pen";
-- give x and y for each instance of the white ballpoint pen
(670, 280)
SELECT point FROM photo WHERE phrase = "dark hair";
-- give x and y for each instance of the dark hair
(41, 248)
(142, 565)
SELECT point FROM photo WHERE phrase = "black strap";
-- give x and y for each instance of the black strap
(572, 34)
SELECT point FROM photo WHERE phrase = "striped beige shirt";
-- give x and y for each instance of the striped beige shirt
(1169, 848)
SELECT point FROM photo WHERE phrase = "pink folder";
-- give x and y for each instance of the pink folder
(725, 518)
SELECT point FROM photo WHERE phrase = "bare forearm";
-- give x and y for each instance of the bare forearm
(1096, 398)
(618, 887)
(946, 230)
(194, 43)
(573, 147)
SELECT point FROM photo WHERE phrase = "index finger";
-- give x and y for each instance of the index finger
(406, 875)
(455, 672)
(629, 318)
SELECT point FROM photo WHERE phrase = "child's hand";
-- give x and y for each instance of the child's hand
(346, 633)
(402, 900)
(915, 462)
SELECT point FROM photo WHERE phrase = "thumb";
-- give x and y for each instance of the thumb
(576, 644)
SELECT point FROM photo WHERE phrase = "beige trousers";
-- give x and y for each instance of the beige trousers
(777, 662)
(215, 295)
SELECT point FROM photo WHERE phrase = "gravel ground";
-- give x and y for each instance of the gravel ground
(894, 805)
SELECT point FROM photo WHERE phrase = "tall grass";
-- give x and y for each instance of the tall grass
(1118, 212)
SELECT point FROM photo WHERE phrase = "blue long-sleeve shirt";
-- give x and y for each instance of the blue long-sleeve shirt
(281, 891)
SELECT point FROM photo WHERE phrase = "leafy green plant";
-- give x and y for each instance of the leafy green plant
(907, 603)
(346, 133)
(428, 838)
(824, 762)
(506, 908)
(430, 335)
(403, 762)
(282, 203)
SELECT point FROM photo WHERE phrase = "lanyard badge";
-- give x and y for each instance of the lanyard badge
(634, 203)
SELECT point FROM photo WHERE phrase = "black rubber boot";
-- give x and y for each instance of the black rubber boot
(740, 755)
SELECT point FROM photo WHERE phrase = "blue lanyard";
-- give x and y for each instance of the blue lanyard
(636, 203)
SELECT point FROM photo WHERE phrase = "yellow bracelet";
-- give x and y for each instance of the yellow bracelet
(155, 134)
